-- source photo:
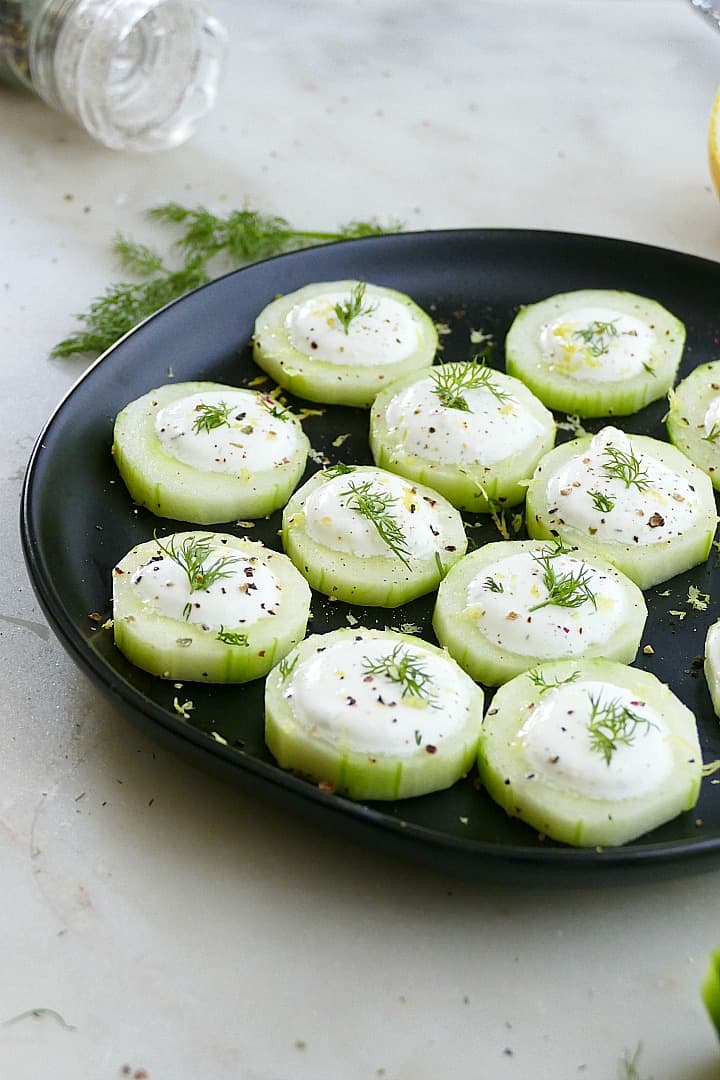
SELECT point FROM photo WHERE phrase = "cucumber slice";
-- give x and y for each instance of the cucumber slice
(367, 536)
(710, 989)
(633, 500)
(304, 344)
(511, 605)
(712, 665)
(590, 752)
(473, 434)
(208, 453)
(207, 607)
(373, 714)
(693, 420)
(595, 352)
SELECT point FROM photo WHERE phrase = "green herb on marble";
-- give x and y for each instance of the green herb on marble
(41, 1014)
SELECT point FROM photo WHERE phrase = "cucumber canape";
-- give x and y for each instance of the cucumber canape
(373, 714)
(473, 434)
(595, 352)
(633, 500)
(207, 607)
(341, 342)
(207, 453)
(712, 665)
(693, 419)
(367, 536)
(510, 605)
(590, 752)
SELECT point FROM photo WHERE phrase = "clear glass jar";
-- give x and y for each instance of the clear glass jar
(136, 74)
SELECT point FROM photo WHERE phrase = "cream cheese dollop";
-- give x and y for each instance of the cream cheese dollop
(337, 697)
(385, 331)
(249, 439)
(560, 747)
(658, 505)
(597, 344)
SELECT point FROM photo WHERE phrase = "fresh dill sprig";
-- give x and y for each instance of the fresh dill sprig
(279, 412)
(492, 585)
(713, 434)
(601, 501)
(596, 336)
(452, 380)
(211, 416)
(566, 590)
(287, 666)
(340, 469)
(628, 1066)
(377, 507)
(238, 238)
(538, 679)
(353, 307)
(401, 667)
(624, 465)
(231, 637)
(191, 556)
(611, 725)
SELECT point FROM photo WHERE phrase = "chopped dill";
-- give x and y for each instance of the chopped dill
(566, 590)
(287, 666)
(624, 465)
(596, 336)
(231, 637)
(353, 307)
(492, 585)
(601, 501)
(340, 469)
(452, 380)
(211, 416)
(191, 556)
(538, 679)
(611, 725)
(377, 506)
(401, 667)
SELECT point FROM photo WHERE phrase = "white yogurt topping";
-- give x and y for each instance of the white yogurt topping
(711, 420)
(490, 431)
(597, 344)
(385, 332)
(331, 520)
(336, 698)
(660, 504)
(249, 592)
(560, 747)
(513, 620)
(250, 440)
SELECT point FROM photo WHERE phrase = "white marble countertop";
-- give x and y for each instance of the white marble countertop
(183, 929)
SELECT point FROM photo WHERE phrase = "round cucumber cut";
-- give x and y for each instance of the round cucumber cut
(373, 714)
(633, 500)
(473, 434)
(693, 419)
(208, 453)
(367, 536)
(511, 605)
(207, 607)
(590, 752)
(712, 665)
(595, 352)
(341, 342)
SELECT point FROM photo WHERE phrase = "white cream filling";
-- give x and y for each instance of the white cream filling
(330, 519)
(711, 420)
(250, 440)
(661, 504)
(385, 332)
(249, 591)
(337, 700)
(597, 344)
(559, 747)
(513, 620)
(490, 431)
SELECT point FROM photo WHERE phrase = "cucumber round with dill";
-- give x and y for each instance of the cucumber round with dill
(207, 607)
(595, 352)
(341, 342)
(513, 604)
(373, 714)
(590, 752)
(631, 499)
(208, 453)
(693, 419)
(367, 536)
(473, 434)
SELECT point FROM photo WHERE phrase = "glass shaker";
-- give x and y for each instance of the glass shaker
(136, 74)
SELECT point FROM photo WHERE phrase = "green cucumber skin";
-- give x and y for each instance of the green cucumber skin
(685, 419)
(171, 489)
(373, 581)
(150, 641)
(333, 384)
(357, 775)
(710, 989)
(476, 488)
(558, 813)
(458, 632)
(646, 565)
(566, 394)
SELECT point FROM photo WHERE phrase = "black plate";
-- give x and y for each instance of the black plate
(77, 522)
